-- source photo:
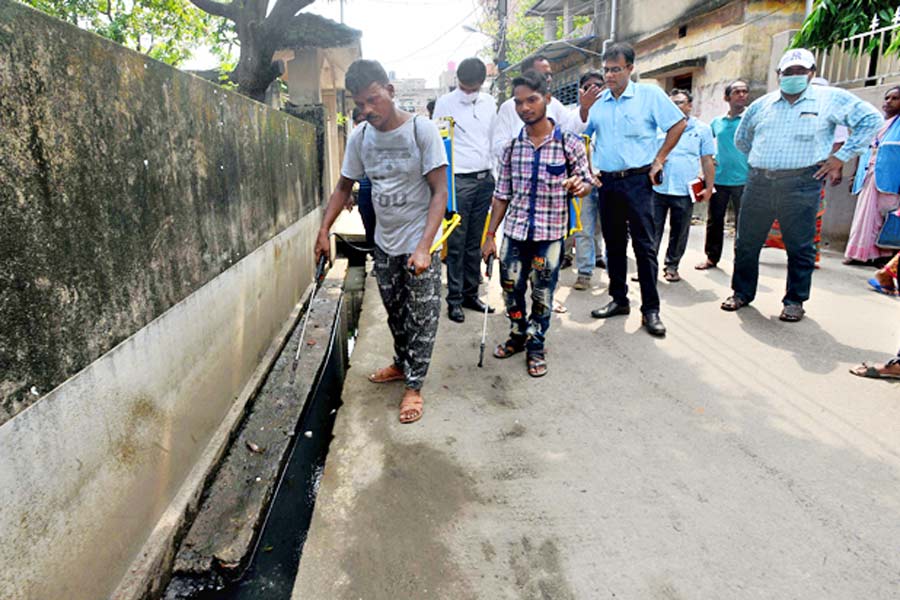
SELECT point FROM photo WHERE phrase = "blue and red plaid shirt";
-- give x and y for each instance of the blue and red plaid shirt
(531, 180)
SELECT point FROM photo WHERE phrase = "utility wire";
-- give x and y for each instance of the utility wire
(435, 40)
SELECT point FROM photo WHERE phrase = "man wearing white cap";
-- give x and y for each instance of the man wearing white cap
(787, 135)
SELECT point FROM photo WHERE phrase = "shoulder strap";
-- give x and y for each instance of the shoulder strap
(560, 136)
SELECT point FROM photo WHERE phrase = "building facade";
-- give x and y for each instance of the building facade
(699, 45)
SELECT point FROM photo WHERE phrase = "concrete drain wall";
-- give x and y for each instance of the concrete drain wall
(246, 540)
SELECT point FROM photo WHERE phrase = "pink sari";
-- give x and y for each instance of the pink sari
(871, 206)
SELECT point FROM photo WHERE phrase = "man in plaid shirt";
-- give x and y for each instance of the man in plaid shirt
(539, 168)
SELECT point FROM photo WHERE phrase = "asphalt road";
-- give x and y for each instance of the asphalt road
(734, 459)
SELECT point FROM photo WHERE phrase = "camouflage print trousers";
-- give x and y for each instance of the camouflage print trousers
(413, 305)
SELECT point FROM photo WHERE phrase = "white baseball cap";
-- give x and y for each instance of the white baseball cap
(797, 57)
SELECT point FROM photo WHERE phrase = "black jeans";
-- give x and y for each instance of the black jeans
(715, 218)
(626, 206)
(473, 199)
(794, 201)
(680, 208)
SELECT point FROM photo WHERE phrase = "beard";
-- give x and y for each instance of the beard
(536, 118)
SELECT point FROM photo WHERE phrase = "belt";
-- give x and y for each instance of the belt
(475, 175)
(626, 172)
(782, 173)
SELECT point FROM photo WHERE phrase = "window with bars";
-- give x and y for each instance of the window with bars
(567, 93)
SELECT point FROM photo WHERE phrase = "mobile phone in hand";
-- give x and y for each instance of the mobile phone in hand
(657, 179)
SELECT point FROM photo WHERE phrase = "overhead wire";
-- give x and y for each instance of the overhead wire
(435, 40)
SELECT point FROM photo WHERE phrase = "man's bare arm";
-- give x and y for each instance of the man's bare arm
(335, 205)
(437, 181)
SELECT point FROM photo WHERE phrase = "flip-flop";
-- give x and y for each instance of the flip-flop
(733, 303)
(671, 276)
(877, 287)
(705, 265)
(509, 348)
(537, 366)
(412, 406)
(871, 372)
(382, 376)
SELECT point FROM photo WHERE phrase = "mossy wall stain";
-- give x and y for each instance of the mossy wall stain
(125, 185)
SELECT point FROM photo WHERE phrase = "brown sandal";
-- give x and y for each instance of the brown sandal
(509, 347)
(733, 303)
(386, 374)
(537, 365)
(411, 407)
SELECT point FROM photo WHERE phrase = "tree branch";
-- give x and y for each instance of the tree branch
(219, 9)
(285, 9)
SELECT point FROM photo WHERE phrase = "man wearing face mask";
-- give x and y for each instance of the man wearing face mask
(474, 113)
(787, 135)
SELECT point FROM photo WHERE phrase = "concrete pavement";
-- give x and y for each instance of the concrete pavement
(736, 458)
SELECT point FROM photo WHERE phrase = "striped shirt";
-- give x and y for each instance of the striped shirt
(778, 135)
(531, 180)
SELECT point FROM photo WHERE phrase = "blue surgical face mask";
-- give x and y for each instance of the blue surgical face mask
(793, 84)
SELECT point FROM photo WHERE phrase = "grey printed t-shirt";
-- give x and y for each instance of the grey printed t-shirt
(396, 165)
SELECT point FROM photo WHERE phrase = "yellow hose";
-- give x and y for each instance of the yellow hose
(449, 226)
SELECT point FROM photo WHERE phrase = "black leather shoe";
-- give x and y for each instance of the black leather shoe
(611, 310)
(477, 304)
(653, 324)
(600, 263)
(455, 312)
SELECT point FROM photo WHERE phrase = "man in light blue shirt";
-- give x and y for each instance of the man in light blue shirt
(788, 135)
(694, 151)
(628, 157)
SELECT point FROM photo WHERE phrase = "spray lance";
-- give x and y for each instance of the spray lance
(319, 278)
(487, 272)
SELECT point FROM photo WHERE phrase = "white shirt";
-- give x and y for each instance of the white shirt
(475, 115)
(509, 124)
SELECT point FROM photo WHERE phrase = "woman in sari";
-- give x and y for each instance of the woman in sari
(877, 183)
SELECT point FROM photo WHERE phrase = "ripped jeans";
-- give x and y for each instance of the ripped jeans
(537, 262)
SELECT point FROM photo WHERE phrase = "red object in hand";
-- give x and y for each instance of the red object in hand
(696, 186)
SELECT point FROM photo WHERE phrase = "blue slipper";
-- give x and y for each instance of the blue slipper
(873, 283)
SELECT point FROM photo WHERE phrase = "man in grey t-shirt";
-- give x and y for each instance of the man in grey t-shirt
(404, 158)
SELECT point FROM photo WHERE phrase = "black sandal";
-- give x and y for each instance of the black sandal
(509, 347)
(537, 365)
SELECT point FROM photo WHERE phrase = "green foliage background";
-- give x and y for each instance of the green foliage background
(166, 30)
(524, 34)
(834, 20)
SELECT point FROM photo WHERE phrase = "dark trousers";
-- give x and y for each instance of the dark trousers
(413, 305)
(366, 210)
(626, 206)
(680, 209)
(793, 199)
(473, 199)
(715, 218)
(522, 262)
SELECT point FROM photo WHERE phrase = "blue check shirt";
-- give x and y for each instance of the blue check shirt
(778, 135)
(626, 127)
(683, 164)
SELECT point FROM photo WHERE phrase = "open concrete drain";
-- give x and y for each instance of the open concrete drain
(264, 568)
